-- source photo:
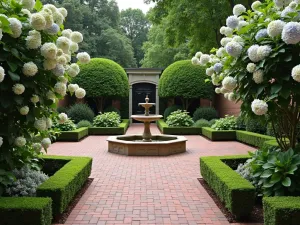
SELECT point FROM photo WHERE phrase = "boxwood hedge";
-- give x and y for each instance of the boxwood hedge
(219, 135)
(253, 139)
(74, 135)
(165, 129)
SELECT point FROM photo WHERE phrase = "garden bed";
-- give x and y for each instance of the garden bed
(74, 135)
(219, 135)
(165, 129)
(53, 196)
(254, 139)
(110, 130)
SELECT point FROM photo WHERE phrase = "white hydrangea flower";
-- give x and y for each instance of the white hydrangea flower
(18, 89)
(53, 30)
(16, 27)
(68, 57)
(37, 147)
(33, 40)
(291, 33)
(232, 22)
(20, 141)
(49, 50)
(83, 57)
(224, 90)
(72, 87)
(63, 79)
(195, 61)
(28, 4)
(74, 47)
(61, 60)
(210, 71)
(73, 70)
(204, 59)
(49, 64)
(293, 5)
(234, 49)
(229, 83)
(62, 118)
(226, 95)
(40, 124)
(218, 90)
(228, 32)
(296, 73)
(49, 123)
(282, 3)
(51, 95)
(66, 33)
(221, 52)
(37, 21)
(24, 110)
(255, 5)
(198, 55)
(239, 40)
(80, 93)
(46, 142)
(58, 18)
(26, 12)
(264, 51)
(34, 99)
(60, 88)
(218, 67)
(48, 18)
(275, 28)
(258, 76)
(259, 107)
(252, 53)
(242, 24)
(29, 69)
(63, 43)
(2, 74)
(50, 7)
(225, 41)
(215, 80)
(59, 70)
(238, 9)
(231, 97)
(222, 30)
(63, 12)
(76, 37)
(1, 141)
(287, 11)
(75, 67)
(251, 67)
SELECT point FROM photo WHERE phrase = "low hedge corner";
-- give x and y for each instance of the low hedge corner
(253, 139)
(281, 210)
(25, 211)
(237, 193)
(165, 129)
(219, 135)
(110, 130)
(74, 135)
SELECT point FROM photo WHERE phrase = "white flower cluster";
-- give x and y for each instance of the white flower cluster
(291, 33)
(257, 53)
(258, 76)
(24, 110)
(234, 48)
(2, 74)
(259, 107)
(62, 118)
(296, 73)
(30, 69)
(229, 83)
(20, 141)
(18, 89)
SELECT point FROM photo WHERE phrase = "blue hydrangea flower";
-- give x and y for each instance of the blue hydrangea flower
(261, 34)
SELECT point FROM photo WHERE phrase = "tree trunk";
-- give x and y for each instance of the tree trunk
(99, 103)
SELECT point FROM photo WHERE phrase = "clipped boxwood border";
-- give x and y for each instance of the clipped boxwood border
(25, 211)
(110, 130)
(219, 135)
(165, 129)
(66, 182)
(74, 135)
(237, 193)
(253, 139)
(281, 210)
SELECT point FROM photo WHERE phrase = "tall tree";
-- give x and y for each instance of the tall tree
(136, 26)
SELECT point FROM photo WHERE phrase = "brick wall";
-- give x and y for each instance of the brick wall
(226, 107)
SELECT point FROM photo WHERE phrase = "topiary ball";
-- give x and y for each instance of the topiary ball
(84, 123)
(202, 123)
(207, 113)
(80, 112)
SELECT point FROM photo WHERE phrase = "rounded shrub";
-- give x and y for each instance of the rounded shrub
(80, 112)
(109, 119)
(207, 113)
(102, 78)
(112, 109)
(227, 123)
(171, 109)
(212, 122)
(202, 123)
(185, 80)
(66, 126)
(84, 123)
(256, 125)
(179, 118)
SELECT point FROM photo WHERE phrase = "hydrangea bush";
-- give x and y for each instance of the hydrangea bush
(179, 118)
(36, 65)
(258, 64)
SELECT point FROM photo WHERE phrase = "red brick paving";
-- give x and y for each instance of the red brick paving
(146, 190)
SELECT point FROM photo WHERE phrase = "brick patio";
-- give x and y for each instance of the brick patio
(146, 190)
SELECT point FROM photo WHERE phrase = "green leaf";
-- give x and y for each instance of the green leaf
(260, 89)
(266, 174)
(276, 88)
(276, 177)
(287, 182)
(292, 169)
(38, 5)
(288, 58)
(14, 76)
(13, 67)
(268, 165)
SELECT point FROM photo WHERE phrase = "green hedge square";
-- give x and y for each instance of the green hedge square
(219, 135)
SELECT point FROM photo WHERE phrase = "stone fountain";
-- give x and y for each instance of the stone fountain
(146, 144)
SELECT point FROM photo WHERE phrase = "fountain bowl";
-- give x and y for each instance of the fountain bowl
(133, 145)
(143, 118)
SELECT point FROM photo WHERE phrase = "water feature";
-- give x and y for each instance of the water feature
(147, 144)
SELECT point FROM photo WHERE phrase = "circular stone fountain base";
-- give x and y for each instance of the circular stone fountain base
(133, 145)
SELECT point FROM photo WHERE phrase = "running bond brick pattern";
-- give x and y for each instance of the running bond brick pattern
(146, 190)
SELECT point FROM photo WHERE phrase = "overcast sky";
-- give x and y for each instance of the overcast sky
(135, 4)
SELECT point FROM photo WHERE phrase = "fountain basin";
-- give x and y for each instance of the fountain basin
(143, 118)
(133, 145)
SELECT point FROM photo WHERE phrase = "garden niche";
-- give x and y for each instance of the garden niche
(102, 79)
(186, 81)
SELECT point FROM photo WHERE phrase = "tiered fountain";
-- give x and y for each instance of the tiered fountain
(146, 144)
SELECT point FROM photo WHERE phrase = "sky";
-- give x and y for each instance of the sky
(135, 4)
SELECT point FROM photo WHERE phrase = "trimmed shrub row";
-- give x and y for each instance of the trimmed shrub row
(25, 211)
(219, 135)
(237, 193)
(281, 210)
(74, 135)
(253, 139)
(110, 130)
(66, 182)
(165, 129)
